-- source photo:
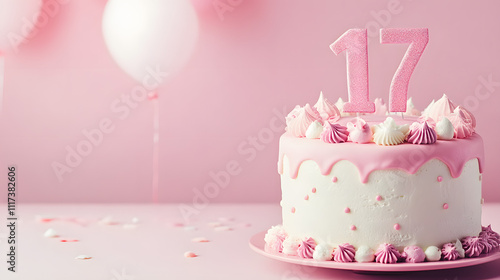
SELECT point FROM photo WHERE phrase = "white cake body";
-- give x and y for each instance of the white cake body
(416, 202)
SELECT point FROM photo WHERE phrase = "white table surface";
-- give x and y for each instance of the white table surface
(154, 247)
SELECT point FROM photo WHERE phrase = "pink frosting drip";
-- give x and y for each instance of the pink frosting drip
(334, 133)
(421, 133)
(387, 253)
(344, 253)
(449, 252)
(370, 157)
(306, 248)
(359, 131)
(327, 110)
(473, 246)
(413, 254)
(462, 125)
(299, 119)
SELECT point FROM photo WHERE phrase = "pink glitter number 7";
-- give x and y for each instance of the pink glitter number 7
(418, 38)
(354, 42)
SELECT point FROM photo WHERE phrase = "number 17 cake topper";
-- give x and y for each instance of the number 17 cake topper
(355, 43)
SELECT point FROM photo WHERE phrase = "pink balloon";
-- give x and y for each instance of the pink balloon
(18, 19)
(150, 39)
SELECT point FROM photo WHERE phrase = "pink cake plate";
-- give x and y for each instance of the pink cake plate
(257, 244)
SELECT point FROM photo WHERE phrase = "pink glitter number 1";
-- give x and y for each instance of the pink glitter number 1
(418, 38)
(355, 43)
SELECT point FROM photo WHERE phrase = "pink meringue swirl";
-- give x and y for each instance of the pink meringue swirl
(449, 252)
(380, 107)
(468, 115)
(326, 109)
(441, 108)
(299, 119)
(334, 133)
(344, 253)
(473, 246)
(461, 124)
(413, 254)
(421, 133)
(492, 238)
(306, 248)
(359, 131)
(387, 253)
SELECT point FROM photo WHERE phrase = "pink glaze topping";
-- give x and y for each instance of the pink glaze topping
(347, 210)
(387, 253)
(344, 253)
(359, 131)
(445, 206)
(397, 226)
(461, 124)
(449, 252)
(413, 254)
(353, 227)
(421, 133)
(306, 248)
(299, 119)
(334, 133)
(327, 110)
(371, 157)
(334, 179)
(473, 246)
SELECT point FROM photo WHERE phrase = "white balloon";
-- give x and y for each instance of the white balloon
(150, 35)
(18, 18)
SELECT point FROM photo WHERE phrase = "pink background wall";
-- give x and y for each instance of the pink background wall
(256, 60)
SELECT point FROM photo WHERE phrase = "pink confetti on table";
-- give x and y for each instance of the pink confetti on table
(200, 240)
(347, 210)
(293, 209)
(306, 197)
(378, 198)
(445, 206)
(69, 240)
(190, 254)
(223, 228)
(353, 227)
(418, 39)
(355, 43)
(334, 179)
(83, 257)
(397, 226)
(313, 190)
(440, 179)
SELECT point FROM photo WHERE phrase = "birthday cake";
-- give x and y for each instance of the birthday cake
(381, 186)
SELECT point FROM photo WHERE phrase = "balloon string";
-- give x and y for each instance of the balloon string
(156, 148)
(2, 73)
